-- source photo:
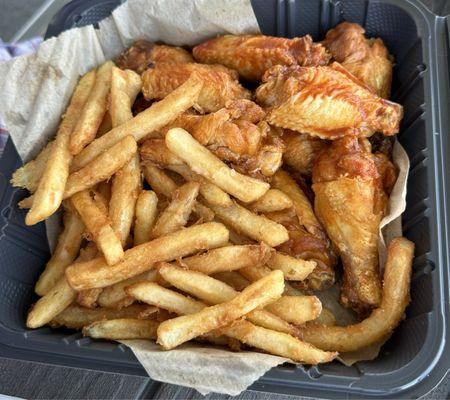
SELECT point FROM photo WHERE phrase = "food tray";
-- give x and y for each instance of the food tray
(417, 356)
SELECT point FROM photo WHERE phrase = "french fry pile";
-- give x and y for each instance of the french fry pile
(166, 240)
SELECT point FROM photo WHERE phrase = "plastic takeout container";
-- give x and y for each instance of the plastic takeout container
(417, 356)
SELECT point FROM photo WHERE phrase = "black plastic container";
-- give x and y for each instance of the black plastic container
(417, 357)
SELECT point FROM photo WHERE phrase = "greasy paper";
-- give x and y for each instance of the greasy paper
(35, 92)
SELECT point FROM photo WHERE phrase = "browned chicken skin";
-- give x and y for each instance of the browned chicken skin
(327, 102)
(143, 54)
(301, 151)
(221, 84)
(252, 55)
(350, 202)
(367, 59)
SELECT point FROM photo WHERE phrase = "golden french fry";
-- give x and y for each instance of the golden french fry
(254, 272)
(145, 216)
(159, 181)
(213, 291)
(126, 184)
(65, 253)
(154, 294)
(173, 332)
(93, 111)
(294, 269)
(154, 151)
(100, 202)
(75, 317)
(97, 273)
(114, 296)
(278, 343)
(303, 208)
(212, 193)
(228, 258)
(145, 123)
(124, 328)
(49, 193)
(252, 225)
(28, 176)
(88, 298)
(204, 213)
(125, 189)
(272, 200)
(102, 168)
(205, 163)
(238, 238)
(99, 226)
(232, 278)
(125, 86)
(176, 215)
(27, 202)
(56, 300)
(296, 309)
(382, 321)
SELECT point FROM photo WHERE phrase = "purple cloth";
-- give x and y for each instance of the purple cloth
(7, 52)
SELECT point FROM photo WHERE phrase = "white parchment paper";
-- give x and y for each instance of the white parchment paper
(36, 90)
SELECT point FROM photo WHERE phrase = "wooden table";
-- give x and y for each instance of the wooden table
(39, 381)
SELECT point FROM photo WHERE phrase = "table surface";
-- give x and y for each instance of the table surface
(33, 380)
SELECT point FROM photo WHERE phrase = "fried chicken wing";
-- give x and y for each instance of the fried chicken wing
(367, 59)
(350, 202)
(235, 134)
(143, 54)
(220, 83)
(327, 102)
(252, 55)
(301, 151)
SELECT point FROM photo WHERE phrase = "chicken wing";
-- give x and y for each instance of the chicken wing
(303, 244)
(350, 202)
(327, 102)
(301, 151)
(220, 83)
(143, 54)
(367, 59)
(252, 55)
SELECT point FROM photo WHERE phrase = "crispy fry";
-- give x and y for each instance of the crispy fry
(173, 332)
(93, 111)
(203, 162)
(125, 189)
(278, 343)
(99, 226)
(296, 309)
(213, 291)
(176, 215)
(211, 192)
(49, 193)
(160, 182)
(56, 300)
(97, 273)
(294, 269)
(124, 328)
(88, 298)
(232, 278)
(75, 317)
(283, 181)
(65, 252)
(145, 123)
(272, 200)
(28, 176)
(382, 321)
(101, 168)
(145, 216)
(27, 202)
(125, 86)
(255, 272)
(155, 151)
(228, 258)
(254, 226)
(204, 213)
(114, 296)
(154, 294)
